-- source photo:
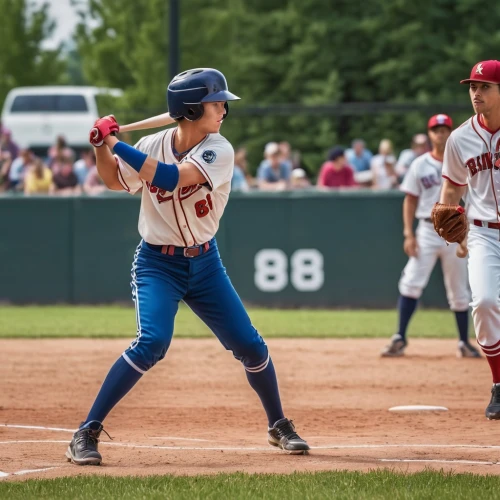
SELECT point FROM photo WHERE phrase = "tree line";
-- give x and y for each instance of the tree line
(303, 52)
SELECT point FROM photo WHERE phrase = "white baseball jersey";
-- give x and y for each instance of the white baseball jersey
(190, 215)
(472, 157)
(424, 179)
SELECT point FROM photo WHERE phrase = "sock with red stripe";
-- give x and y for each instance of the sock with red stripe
(494, 362)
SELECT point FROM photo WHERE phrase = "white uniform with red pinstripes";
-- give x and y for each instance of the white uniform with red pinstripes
(472, 158)
(189, 215)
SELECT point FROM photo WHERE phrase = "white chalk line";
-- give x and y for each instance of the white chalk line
(27, 471)
(30, 471)
(197, 448)
(38, 427)
(149, 447)
(28, 441)
(60, 429)
(266, 448)
(237, 448)
(375, 446)
(439, 461)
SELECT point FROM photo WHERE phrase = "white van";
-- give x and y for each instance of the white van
(37, 115)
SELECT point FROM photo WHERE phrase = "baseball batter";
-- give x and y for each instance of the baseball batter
(472, 162)
(422, 185)
(185, 177)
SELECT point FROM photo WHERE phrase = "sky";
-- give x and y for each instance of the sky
(66, 18)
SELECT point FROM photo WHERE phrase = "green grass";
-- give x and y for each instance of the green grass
(115, 322)
(339, 485)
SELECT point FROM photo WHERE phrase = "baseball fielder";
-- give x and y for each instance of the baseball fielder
(472, 162)
(185, 177)
(422, 185)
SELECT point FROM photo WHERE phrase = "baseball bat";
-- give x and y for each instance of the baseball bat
(154, 122)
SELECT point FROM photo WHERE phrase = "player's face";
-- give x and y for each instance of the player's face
(439, 135)
(211, 120)
(485, 97)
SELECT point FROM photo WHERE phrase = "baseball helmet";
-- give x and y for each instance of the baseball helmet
(189, 89)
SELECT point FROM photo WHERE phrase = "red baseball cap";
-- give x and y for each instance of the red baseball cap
(438, 120)
(485, 71)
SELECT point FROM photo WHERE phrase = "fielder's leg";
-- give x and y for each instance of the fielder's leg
(157, 287)
(456, 283)
(484, 279)
(414, 279)
(212, 297)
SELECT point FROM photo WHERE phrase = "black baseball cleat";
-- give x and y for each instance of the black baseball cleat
(283, 435)
(493, 409)
(83, 447)
(396, 348)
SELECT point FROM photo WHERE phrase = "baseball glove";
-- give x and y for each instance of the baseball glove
(450, 222)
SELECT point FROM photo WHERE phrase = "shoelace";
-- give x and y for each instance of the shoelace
(91, 437)
(287, 430)
(88, 438)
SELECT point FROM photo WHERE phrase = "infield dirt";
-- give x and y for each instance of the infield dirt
(194, 412)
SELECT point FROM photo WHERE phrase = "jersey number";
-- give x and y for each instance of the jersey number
(202, 207)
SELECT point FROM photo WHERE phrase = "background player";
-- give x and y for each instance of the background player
(472, 162)
(185, 176)
(422, 186)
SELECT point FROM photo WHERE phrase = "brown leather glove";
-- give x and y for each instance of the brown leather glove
(450, 222)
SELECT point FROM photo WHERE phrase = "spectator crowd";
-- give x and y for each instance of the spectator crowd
(352, 168)
(60, 171)
(57, 172)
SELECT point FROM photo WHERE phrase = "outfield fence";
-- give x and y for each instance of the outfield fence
(291, 249)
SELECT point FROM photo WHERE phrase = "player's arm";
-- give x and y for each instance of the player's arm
(451, 193)
(410, 204)
(107, 168)
(454, 174)
(162, 175)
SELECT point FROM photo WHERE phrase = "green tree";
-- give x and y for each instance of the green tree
(22, 60)
(301, 52)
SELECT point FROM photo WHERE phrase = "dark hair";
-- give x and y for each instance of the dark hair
(335, 153)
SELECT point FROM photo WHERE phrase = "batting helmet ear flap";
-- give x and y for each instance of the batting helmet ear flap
(194, 112)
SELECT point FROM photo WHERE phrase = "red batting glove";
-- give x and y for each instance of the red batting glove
(101, 129)
(111, 118)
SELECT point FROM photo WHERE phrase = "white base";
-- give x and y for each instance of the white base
(418, 408)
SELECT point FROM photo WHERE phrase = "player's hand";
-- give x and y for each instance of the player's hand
(111, 119)
(462, 250)
(410, 246)
(101, 129)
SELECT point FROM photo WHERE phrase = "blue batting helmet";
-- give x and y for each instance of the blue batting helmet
(189, 89)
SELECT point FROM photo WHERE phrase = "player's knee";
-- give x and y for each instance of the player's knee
(460, 303)
(458, 306)
(145, 354)
(407, 290)
(252, 354)
(485, 304)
